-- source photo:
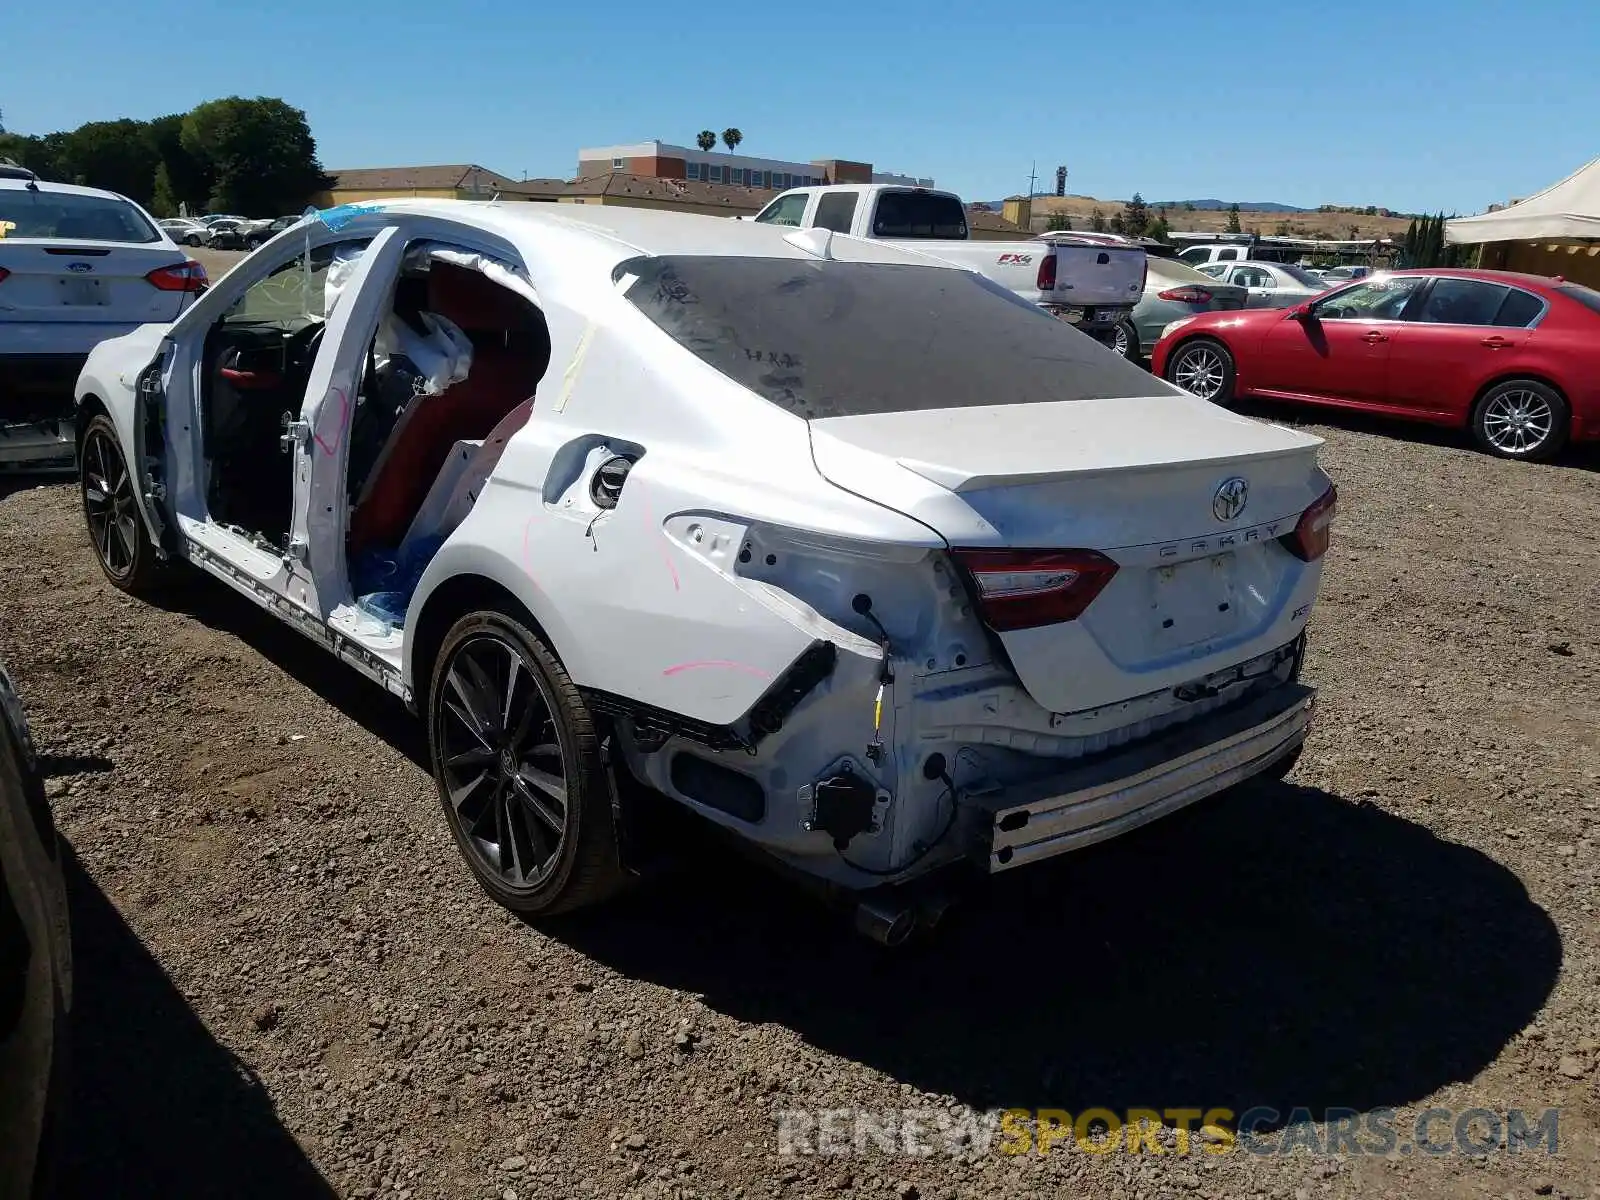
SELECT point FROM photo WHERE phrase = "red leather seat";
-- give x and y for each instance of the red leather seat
(511, 350)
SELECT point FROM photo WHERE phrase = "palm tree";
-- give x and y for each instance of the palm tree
(706, 140)
(731, 138)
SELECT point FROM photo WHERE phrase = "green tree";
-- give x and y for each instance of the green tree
(1409, 246)
(40, 154)
(1119, 224)
(1058, 222)
(706, 140)
(115, 155)
(181, 178)
(1097, 221)
(1281, 229)
(1158, 229)
(1136, 216)
(1233, 219)
(1188, 206)
(731, 137)
(260, 154)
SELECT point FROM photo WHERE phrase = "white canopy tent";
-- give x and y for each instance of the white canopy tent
(1569, 209)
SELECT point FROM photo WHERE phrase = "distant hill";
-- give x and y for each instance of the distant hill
(1211, 216)
(1266, 206)
(1223, 205)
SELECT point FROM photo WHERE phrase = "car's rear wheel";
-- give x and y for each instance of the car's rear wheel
(518, 768)
(1125, 341)
(1204, 368)
(121, 540)
(1522, 418)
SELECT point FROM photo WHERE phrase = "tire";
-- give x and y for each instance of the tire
(252, 243)
(192, 240)
(117, 529)
(1125, 341)
(1207, 365)
(501, 805)
(1522, 418)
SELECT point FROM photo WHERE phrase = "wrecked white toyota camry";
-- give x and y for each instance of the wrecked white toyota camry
(840, 546)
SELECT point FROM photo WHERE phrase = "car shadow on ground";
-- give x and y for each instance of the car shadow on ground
(1276, 946)
(12, 481)
(157, 1107)
(1585, 456)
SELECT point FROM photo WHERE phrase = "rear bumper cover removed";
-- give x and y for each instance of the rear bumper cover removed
(1152, 779)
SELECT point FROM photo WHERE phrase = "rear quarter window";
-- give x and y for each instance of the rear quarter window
(832, 338)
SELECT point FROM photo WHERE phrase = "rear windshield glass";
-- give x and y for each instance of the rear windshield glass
(835, 339)
(1583, 295)
(65, 215)
(1303, 277)
(918, 215)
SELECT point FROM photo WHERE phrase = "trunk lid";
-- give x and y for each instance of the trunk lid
(1097, 274)
(1198, 585)
(101, 282)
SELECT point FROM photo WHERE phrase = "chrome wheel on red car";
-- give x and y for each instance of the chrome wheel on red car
(1521, 418)
(1203, 368)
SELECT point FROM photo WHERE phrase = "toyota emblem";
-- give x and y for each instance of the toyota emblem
(1230, 498)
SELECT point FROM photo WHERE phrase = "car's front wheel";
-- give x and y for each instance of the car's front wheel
(122, 542)
(1522, 418)
(1125, 341)
(1204, 368)
(192, 240)
(518, 768)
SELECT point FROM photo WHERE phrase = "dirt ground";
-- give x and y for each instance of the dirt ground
(288, 985)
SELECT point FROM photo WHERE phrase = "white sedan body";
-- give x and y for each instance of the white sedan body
(850, 552)
(77, 265)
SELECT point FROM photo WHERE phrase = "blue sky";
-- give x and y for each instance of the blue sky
(1393, 103)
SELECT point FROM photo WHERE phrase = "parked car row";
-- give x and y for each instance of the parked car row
(224, 232)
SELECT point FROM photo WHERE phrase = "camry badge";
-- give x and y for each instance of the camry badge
(1229, 499)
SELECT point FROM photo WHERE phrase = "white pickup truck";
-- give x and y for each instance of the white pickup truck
(1090, 286)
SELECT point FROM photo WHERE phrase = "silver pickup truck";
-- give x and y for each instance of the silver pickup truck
(1091, 286)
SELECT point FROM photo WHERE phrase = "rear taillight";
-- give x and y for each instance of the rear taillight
(1021, 589)
(1314, 530)
(188, 276)
(1187, 294)
(3, 274)
(1047, 273)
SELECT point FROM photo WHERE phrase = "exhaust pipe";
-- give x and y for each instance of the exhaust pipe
(886, 923)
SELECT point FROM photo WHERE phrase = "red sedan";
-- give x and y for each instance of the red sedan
(1514, 358)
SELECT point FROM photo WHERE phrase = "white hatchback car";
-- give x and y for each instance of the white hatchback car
(77, 265)
(842, 547)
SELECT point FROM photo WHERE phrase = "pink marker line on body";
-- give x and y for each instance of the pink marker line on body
(720, 663)
(344, 415)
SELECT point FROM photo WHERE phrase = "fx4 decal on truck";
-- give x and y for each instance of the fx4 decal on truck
(1020, 260)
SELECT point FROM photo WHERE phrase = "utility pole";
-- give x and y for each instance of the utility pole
(1033, 175)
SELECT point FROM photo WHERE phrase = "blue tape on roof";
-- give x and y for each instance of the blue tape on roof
(340, 215)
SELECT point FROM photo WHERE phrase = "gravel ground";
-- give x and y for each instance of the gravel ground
(289, 985)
